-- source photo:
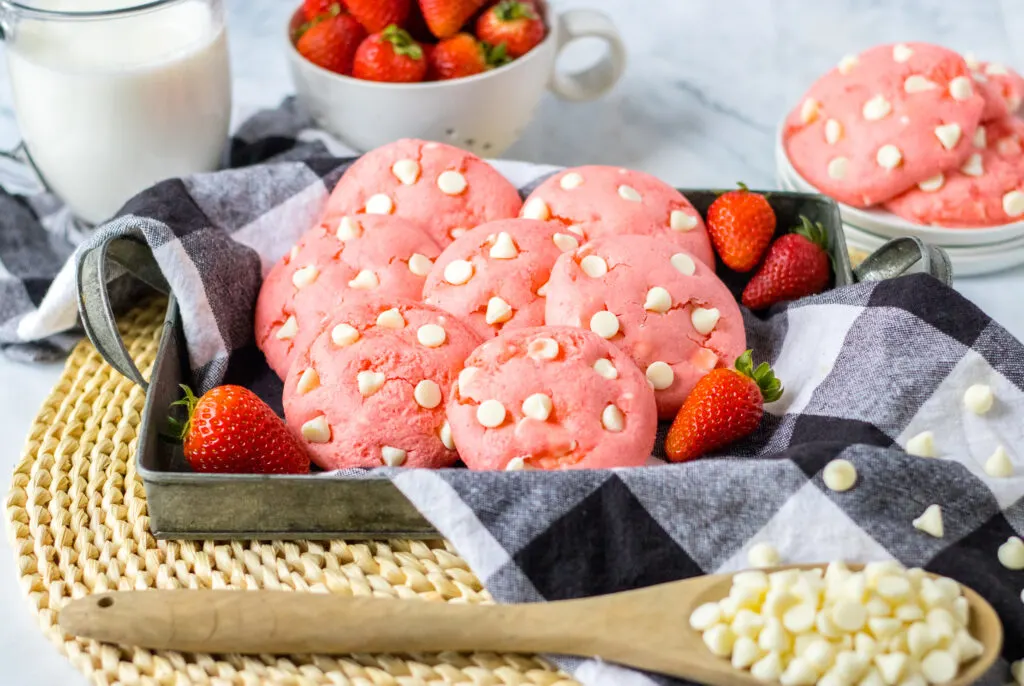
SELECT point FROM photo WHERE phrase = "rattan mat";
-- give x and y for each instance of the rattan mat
(78, 524)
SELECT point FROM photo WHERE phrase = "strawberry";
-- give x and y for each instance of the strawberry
(741, 225)
(377, 15)
(331, 42)
(446, 17)
(797, 265)
(461, 55)
(391, 55)
(311, 9)
(724, 406)
(516, 25)
(230, 430)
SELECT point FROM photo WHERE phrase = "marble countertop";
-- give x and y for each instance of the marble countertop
(705, 88)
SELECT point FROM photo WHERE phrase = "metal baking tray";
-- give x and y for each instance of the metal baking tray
(184, 504)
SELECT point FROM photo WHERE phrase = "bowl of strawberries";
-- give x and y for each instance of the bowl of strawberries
(466, 72)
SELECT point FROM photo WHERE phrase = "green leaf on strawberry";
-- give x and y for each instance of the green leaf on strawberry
(771, 388)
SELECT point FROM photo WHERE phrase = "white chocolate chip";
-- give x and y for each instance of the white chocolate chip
(876, 108)
(971, 60)
(287, 331)
(1017, 672)
(922, 445)
(705, 319)
(839, 475)
(658, 300)
(498, 311)
(490, 414)
(458, 272)
(536, 209)
(979, 77)
(973, 166)
(889, 156)
(681, 221)
(379, 204)
(537, 406)
(763, 555)
(419, 264)
(427, 394)
(768, 668)
(348, 229)
(406, 171)
(1013, 203)
(344, 334)
(293, 253)
(901, 52)
(918, 84)
(1011, 553)
(542, 349)
(838, 168)
(939, 667)
(979, 398)
(516, 464)
(431, 335)
(930, 521)
(847, 63)
(660, 375)
(543, 290)
(809, 110)
(683, 263)
(570, 181)
(466, 377)
(891, 666)
(719, 639)
(998, 465)
(369, 382)
(629, 193)
(305, 276)
(308, 380)
(365, 280)
(612, 419)
(995, 69)
(504, 247)
(594, 266)
(317, 430)
(446, 436)
(961, 88)
(391, 456)
(933, 183)
(948, 135)
(605, 324)
(451, 182)
(849, 615)
(605, 368)
(391, 319)
(833, 131)
(565, 242)
(979, 137)
(457, 232)
(577, 229)
(705, 616)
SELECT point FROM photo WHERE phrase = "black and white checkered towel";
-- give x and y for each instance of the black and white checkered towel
(865, 368)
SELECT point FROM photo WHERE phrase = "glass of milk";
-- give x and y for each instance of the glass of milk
(113, 96)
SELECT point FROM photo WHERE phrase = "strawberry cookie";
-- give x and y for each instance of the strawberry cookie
(493, 276)
(1001, 87)
(987, 189)
(340, 256)
(663, 308)
(883, 121)
(370, 390)
(440, 187)
(596, 201)
(551, 398)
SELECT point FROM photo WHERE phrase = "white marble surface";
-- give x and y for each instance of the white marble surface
(707, 82)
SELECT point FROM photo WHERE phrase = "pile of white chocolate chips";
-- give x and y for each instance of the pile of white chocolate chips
(883, 626)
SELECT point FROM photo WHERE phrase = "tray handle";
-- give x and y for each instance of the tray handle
(905, 255)
(95, 266)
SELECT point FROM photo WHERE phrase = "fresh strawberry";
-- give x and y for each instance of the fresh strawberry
(391, 55)
(515, 24)
(311, 9)
(331, 42)
(377, 15)
(458, 56)
(231, 430)
(797, 265)
(446, 17)
(741, 225)
(724, 406)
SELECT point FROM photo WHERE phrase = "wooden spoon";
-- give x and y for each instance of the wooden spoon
(647, 628)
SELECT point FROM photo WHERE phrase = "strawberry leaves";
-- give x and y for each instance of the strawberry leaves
(771, 388)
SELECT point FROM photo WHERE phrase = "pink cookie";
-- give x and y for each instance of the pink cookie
(1001, 87)
(667, 311)
(551, 398)
(598, 201)
(371, 388)
(338, 257)
(884, 120)
(491, 276)
(444, 189)
(987, 190)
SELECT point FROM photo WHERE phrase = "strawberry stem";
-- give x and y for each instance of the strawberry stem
(770, 387)
(189, 402)
(510, 10)
(815, 232)
(401, 42)
(495, 55)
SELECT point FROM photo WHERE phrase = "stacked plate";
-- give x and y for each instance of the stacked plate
(972, 250)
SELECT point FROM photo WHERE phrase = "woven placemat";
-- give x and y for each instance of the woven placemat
(78, 524)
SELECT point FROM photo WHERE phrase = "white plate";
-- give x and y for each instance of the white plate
(883, 223)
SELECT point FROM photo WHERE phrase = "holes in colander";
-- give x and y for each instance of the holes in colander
(487, 146)
(105, 602)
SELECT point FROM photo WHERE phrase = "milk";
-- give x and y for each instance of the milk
(108, 107)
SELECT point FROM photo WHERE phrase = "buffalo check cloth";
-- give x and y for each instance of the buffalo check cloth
(865, 368)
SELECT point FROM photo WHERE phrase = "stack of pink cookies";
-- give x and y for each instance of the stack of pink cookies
(432, 315)
(918, 130)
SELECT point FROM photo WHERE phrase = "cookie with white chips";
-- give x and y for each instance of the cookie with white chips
(340, 256)
(371, 388)
(443, 188)
(551, 398)
(883, 121)
(1001, 87)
